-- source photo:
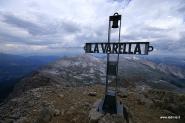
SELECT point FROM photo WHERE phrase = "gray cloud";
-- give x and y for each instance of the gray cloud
(70, 27)
(47, 27)
(50, 33)
(32, 28)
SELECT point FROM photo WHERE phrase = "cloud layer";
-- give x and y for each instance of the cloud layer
(40, 27)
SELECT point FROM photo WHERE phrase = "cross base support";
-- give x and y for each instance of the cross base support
(110, 104)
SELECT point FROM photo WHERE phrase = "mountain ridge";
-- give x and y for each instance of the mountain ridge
(87, 70)
(60, 92)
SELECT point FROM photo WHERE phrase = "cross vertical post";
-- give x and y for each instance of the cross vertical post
(110, 99)
(109, 31)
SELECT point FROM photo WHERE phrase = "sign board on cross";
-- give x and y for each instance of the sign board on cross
(137, 48)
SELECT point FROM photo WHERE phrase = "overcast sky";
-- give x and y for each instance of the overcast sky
(46, 26)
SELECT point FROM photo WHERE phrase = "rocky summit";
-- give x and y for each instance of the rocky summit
(66, 90)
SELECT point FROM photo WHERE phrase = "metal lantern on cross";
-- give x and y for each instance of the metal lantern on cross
(115, 19)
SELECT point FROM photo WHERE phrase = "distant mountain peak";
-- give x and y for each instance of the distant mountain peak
(87, 69)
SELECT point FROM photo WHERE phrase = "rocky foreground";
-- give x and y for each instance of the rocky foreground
(56, 104)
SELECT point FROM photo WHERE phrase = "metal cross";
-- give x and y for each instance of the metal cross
(110, 104)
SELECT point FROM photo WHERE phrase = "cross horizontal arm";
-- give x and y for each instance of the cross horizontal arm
(138, 48)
